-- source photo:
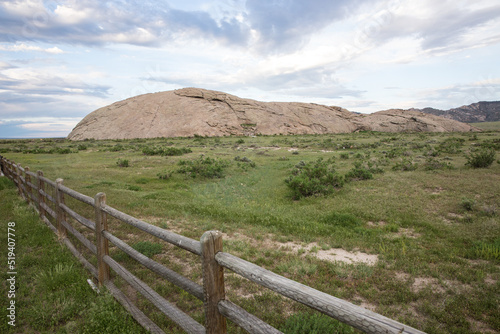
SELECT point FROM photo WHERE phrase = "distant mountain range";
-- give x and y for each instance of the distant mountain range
(473, 113)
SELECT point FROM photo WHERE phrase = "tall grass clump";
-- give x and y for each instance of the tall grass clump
(314, 323)
(314, 178)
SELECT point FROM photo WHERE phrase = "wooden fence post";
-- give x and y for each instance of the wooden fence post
(29, 193)
(2, 166)
(213, 282)
(101, 224)
(61, 216)
(19, 183)
(41, 198)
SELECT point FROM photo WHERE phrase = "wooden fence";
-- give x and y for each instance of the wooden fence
(32, 187)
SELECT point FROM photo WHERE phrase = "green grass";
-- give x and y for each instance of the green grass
(487, 126)
(431, 219)
(52, 293)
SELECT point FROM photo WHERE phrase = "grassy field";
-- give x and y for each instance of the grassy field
(487, 126)
(52, 294)
(429, 219)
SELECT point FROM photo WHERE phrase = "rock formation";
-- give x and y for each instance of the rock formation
(192, 111)
(472, 113)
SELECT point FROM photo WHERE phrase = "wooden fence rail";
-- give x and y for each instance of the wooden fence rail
(37, 189)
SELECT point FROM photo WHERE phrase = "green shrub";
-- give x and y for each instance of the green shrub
(165, 151)
(164, 175)
(434, 164)
(315, 323)
(481, 159)
(62, 150)
(247, 162)
(468, 204)
(205, 167)
(133, 187)
(344, 155)
(314, 178)
(451, 145)
(360, 171)
(405, 165)
(122, 163)
(117, 148)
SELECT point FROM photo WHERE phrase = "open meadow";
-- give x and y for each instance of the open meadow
(404, 224)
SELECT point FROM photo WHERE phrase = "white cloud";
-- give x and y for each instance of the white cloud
(26, 48)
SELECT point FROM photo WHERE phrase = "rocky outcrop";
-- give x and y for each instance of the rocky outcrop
(194, 111)
(472, 113)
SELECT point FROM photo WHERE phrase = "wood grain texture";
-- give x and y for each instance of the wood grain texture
(86, 242)
(76, 195)
(82, 220)
(245, 320)
(171, 311)
(178, 240)
(137, 314)
(356, 316)
(89, 266)
(213, 282)
(170, 275)
(101, 224)
(29, 189)
(61, 215)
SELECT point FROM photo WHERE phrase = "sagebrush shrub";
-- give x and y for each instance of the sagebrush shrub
(205, 167)
(481, 159)
(122, 163)
(314, 178)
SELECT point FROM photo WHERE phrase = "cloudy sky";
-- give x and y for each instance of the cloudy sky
(62, 59)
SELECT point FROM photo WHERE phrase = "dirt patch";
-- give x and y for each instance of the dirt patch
(435, 190)
(330, 255)
(401, 276)
(376, 224)
(436, 286)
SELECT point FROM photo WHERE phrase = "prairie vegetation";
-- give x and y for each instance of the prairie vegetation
(412, 201)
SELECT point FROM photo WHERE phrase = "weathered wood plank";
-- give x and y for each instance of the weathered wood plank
(48, 181)
(188, 244)
(18, 178)
(89, 266)
(170, 275)
(76, 195)
(82, 220)
(61, 215)
(245, 320)
(48, 197)
(213, 282)
(176, 315)
(48, 210)
(101, 224)
(30, 173)
(29, 192)
(86, 242)
(356, 316)
(49, 224)
(137, 314)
